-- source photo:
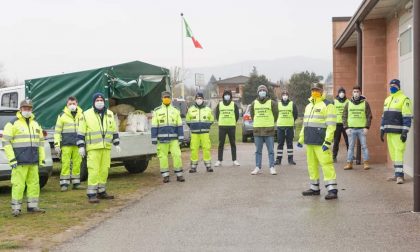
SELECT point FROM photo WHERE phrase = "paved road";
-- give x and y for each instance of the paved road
(230, 210)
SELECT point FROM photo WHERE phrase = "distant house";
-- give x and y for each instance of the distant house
(236, 85)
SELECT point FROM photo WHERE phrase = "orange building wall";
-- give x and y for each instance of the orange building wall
(374, 81)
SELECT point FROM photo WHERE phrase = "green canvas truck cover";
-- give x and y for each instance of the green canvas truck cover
(136, 83)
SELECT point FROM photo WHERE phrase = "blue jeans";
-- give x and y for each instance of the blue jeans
(357, 133)
(259, 142)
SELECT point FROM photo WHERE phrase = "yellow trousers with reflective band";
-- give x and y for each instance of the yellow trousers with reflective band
(396, 150)
(70, 155)
(202, 140)
(25, 176)
(315, 158)
(163, 150)
(98, 163)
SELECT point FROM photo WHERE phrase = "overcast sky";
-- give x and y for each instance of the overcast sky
(45, 37)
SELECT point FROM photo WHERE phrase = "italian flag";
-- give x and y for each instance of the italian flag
(189, 34)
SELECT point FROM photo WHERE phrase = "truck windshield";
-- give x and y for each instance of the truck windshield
(5, 118)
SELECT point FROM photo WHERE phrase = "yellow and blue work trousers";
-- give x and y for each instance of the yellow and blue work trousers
(396, 151)
(315, 157)
(70, 155)
(25, 176)
(98, 164)
(163, 150)
(202, 140)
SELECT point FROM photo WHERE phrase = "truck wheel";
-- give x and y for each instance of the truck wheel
(43, 181)
(83, 170)
(136, 165)
(244, 138)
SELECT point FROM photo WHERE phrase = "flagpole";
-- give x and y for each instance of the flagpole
(182, 56)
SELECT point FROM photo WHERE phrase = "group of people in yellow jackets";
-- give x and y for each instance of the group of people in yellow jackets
(92, 133)
(77, 135)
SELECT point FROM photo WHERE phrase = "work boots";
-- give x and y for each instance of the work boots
(209, 169)
(78, 187)
(291, 161)
(311, 192)
(278, 161)
(332, 194)
(180, 179)
(105, 196)
(16, 213)
(193, 170)
(63, 188)
(348, 166)
(35, 210)
(366, 165)
(166, 179)
(93, 199)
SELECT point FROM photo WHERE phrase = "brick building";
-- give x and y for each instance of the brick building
(371, 48)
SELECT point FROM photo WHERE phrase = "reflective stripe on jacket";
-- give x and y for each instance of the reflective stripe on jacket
(286, 118)
(167, 124)
(199, 119)
(95, 132)
(319, 123)
(397, 114)
(23, 142)
(227, 114)
(65, 133)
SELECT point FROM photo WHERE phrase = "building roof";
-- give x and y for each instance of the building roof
(369, 9)
(240, 79)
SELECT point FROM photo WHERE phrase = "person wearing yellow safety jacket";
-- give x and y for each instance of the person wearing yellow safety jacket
(357, 118)
(264, 113)
(65, 139)
(96, 133)
(199, 118)
(285, 127)
(317, 133)
(339, 102)
(396, 123)
(23, 143)
(227, 114)
(167, 132)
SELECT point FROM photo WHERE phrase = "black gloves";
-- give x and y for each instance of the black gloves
(403, 136)
(382, 135)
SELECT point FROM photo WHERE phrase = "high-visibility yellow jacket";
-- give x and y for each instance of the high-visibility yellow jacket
(199, 119)
(96, 131)
(319, 122)
(397, 113)
(23, 141)
(65, 133)
(286, 117)
(166, 124)
(263, 114)
(227, 114)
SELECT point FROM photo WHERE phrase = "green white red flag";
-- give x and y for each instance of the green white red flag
(189, 34)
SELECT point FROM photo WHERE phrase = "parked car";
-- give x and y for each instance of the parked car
(6, 115)
(247, 125)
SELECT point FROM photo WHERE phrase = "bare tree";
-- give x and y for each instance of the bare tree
(3, 80)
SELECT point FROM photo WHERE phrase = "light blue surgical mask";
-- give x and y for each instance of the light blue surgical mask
(226, 97)
(262, 94)
(393, 89)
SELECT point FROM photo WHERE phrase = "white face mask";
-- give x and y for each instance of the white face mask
(341, 95)
(72, 107)
(285, 97)
(99, 105)
(26, 114)
(199, 102)
(262, 94)
(226, 97)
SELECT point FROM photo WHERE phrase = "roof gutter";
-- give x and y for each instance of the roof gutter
(358, 17)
